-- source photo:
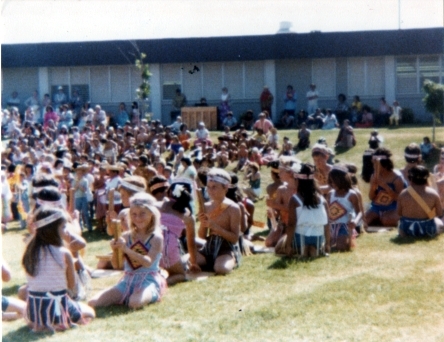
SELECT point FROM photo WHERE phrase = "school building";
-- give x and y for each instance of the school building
(371, 64)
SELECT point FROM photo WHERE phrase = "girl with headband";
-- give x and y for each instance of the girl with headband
(279, 203)
(50, 274)
(343, 209)
(176, 220)
(307, 231)
(385, 187)
(142, 248)
(127, 188)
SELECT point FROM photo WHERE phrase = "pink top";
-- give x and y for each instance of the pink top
(173, 228)
(264, 125)
(51, 271)
(50, 116)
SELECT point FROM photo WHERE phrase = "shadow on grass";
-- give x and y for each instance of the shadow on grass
(113, 310)
(408, 240)
(285, 262)
(341, 150)
(25, 334)
(10, 291)
(95, 235)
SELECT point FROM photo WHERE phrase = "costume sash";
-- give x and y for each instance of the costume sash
(430, 213)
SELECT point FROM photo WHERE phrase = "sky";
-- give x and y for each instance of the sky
(34, 21)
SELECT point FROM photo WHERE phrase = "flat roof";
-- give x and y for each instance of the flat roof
(216, 49)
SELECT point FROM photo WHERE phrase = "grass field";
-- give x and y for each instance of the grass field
(387, 289)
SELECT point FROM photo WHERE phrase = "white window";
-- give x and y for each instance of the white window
(356, 76)
(429, 69)
(375, 80)
(254, 79)
(192, 82)
(212, 81)
(406, 75)
(233, 80)
(120, 82)
(100, 91)
(324, 76)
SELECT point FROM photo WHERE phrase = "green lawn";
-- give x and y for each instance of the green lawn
(387, 289)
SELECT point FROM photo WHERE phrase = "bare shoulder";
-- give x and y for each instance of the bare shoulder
(231, 205)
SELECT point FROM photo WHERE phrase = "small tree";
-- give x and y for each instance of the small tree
(143, 92)
(434, 101)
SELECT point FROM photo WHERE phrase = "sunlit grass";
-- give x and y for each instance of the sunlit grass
(387, 289)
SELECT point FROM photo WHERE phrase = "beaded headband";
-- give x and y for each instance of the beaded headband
(57, 203)
(47, 220)
(379, 157)
(411, 156)
(303, 176)
(158, 186)
(340, 168)
(218, 179)
(131, 187)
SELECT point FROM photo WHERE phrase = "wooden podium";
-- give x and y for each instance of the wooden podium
(191, 116)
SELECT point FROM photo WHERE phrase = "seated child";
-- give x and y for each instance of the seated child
(419, 206)
(142, 247)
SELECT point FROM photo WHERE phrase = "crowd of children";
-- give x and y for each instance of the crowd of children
(172, 207)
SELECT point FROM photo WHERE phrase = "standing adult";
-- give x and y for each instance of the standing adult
(178, 102)
(60, 98)
(122, 116)
(290, 100)
(396, 113)
(312, 99)
(384, 112)
(14, 100)
(224, 106)
(266, 100)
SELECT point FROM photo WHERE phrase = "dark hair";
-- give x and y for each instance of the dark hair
(49, 193)
(202, 175)
(155, 180)
(182, 202)
(58, 162)
(233, 192)
(44, 180)
(339, 176)
(411, 150)
(418, 175)
(186, 160)
(352, 170)
(43, 238)
(307, 188)
(385, 163)
(367, 165)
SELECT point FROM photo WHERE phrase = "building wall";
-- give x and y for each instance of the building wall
(392, 77)
(22, 80)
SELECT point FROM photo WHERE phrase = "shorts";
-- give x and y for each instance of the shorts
(418, 227)
(379, 209)
(214, 248)
(5, 303)
(139, 281)
(300, 241)
(54, 309)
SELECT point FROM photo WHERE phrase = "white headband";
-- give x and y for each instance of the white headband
(47, 220)
(159, 185)
(411, 156)
(379, 157)
(218, 179)
(37, 188)
(132, 187)
(57, 203)
(302, 176)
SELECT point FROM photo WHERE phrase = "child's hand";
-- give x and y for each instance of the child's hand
(203, 219)
(194, 268)
(118, 244)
